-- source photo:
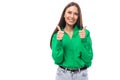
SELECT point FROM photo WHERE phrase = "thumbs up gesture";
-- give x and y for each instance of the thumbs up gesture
(82, 32)
(60, 33)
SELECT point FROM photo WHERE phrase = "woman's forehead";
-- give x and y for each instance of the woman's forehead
(72, 8)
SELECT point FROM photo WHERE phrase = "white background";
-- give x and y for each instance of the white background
(26, 27)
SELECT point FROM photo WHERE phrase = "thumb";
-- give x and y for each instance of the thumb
(84, 28)
(58, 27)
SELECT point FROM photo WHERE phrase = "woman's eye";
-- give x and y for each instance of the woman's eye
(69, 12)
(76, 14)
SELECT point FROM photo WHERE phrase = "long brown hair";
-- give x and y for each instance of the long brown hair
(62, 22)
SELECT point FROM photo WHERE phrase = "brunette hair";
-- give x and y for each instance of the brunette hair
(62, 22)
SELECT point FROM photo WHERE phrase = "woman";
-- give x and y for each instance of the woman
(71, 45)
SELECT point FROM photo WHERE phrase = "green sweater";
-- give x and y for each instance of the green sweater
(72, 52)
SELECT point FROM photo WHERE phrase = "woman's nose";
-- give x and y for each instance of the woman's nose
(72, 15)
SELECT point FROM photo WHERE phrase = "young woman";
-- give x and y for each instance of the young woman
(71, 45)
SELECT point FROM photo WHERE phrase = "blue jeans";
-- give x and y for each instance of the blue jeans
(63, 74)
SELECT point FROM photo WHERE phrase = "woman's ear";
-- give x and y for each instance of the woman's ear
(64, 15)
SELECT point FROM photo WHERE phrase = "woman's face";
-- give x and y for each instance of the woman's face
(71, 15)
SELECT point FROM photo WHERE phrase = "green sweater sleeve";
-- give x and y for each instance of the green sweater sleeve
(87, 52)
(57, 50)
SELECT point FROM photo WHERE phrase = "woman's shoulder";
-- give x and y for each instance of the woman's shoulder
(54, 35)
(87, 31)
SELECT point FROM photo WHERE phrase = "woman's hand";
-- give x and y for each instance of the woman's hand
(60, 33)
(82, 32)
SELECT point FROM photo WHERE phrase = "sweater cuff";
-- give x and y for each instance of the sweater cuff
(59, 43)
(84, 40)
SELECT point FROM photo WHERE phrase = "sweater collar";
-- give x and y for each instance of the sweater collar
(75, 28)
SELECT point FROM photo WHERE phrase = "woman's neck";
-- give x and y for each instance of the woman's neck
(68, 28)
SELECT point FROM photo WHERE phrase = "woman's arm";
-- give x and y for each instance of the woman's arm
(57, 50)
(87, 51)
